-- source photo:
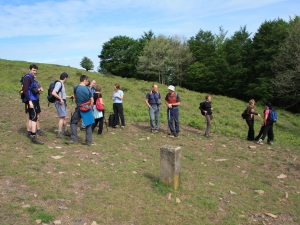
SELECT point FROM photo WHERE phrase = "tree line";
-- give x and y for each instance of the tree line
(264, 66)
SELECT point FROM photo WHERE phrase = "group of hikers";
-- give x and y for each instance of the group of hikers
(90, 109)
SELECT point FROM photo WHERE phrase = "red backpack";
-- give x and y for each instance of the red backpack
(99, 106)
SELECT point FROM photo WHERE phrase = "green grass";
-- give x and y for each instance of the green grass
(98, 183)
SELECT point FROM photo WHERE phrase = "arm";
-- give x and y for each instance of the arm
(55, 94)
(26, 85)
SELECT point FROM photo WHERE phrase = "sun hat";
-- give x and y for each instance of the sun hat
(171, 87)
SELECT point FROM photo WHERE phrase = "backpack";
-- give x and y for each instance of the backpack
(112, 120)
(273, 117)
(244, 114)
(99, 106)
(22, 96)
(50, 97)
(201, 108)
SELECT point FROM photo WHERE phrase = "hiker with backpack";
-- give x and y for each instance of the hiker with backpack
(206, 110)
(98, 113)
(59, 92)
(118, 106)
(83, 110)
(267, 126)
(250, 119)
(153, 102)
(172, 101)
(30, 98)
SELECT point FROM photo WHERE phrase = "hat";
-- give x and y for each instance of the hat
(64, 75)
(171, 87)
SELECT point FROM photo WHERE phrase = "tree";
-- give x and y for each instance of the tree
(87, 64)
(265, 48)
(286, 68)
(119, 56)
(154, 62)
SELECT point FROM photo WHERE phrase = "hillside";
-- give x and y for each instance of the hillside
(116, 180)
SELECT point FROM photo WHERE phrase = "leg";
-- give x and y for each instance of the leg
(95, 124)
(88, 134)
(176, 119)
(74, 121)
(32, 123)
(121, 113)
(208, 125)
(265, 132)
(151, 114)
(101, 119)
(270, 134)
(260, 133)
(157, 117)
(170, 120)
(116, 112)
(250, 124)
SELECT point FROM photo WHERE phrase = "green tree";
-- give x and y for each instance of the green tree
(265, 48)
(87, 64)
(154, 62)
(286, 68)
(119, 56)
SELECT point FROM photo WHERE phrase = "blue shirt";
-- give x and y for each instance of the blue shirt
(82, 93)
(118, 93)
(152, 97)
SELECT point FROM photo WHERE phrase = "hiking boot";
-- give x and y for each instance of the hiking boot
(60, 135)
(28, 135)
(67, 133)
(122, 127)
(174, 134)
(40, 133)
(259, 142)
(270, 142)
(87, 143)
(35, 140)
(71, 142)
(82, 129)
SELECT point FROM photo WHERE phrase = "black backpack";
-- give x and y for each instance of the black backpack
(201, 108)
(50, 97)
(112, 120)
(244, 114)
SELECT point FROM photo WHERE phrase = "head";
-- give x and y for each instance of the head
(171, 89)
(33, 69)
(84, 79)
(88, 83)
(64, 76)
(252, 102)
(268, 105)
(154, 88)
(117, 87)
(92, 83)
(98, 88)
(208, 98)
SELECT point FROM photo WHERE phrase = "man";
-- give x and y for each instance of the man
(173, 101)
(59, 92)
(153, 102)
(91, 85)
(30, 100)
(82, 94)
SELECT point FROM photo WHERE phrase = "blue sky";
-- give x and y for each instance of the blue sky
(64, 31)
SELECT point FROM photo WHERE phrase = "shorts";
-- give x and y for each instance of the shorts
(32, 111)
(37, 107)
(61, 109)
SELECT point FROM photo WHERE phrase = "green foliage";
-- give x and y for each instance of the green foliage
(87, 64)
(161, 188)
(41, 215)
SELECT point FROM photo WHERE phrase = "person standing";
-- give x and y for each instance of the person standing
(266, 128)
(98, 115)
(250, 119)
(118, 106)
(59, 92)
(30, 100)
(91, 85)
(207, 109)
(82, 95)
(153, 101)
(172, 101)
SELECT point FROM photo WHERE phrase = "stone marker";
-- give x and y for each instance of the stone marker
(170, 163)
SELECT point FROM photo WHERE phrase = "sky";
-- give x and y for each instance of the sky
(62, 32)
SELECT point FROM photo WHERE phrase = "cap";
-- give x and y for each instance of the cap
(171, 87)
(64, 75)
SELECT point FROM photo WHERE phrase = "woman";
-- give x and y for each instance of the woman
(266, 128)
(98, 115)
(250, 119)
(207, 109)
(118, 106)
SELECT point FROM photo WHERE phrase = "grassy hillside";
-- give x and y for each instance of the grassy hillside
(116, 180)
(227, 120)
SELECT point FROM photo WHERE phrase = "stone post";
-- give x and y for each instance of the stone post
(170, 163)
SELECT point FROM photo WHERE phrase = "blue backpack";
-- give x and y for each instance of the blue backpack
(273, 117)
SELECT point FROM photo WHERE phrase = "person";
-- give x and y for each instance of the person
(30, 100)
(98, 115)
(250, 119)
(91, 85)
(38, 111)
(208, 110)
(153, 101)
(118, 106)
(266, 128)
(59, 92)
(172, 101)
(82, 94)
